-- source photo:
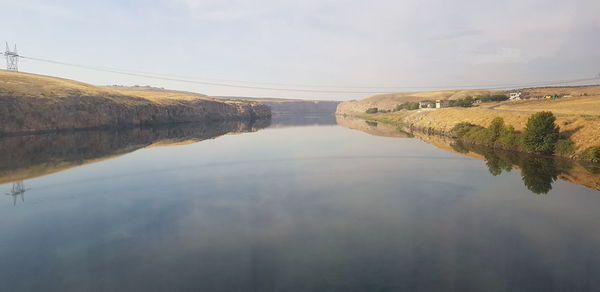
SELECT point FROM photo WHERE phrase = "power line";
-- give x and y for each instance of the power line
(294, 88)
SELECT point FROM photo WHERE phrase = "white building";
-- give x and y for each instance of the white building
(514, 96)
(440, 103)
(426, 104)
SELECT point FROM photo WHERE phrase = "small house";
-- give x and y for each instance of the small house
(514, 96)
(426, 104)
(440, 103)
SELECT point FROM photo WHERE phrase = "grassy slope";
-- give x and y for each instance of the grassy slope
(37, 103)
(578, 116)
(389, 101)
(40, 86)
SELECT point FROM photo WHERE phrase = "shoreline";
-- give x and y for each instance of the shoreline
(396, 120)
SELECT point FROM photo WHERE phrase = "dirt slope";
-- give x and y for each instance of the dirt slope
(36, 103)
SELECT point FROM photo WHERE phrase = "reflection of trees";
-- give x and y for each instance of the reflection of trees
(17, 190)
(538, 172)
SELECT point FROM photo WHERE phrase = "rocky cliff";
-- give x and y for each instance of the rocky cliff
(35, 103)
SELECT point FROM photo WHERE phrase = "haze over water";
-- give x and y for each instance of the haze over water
(293, 208)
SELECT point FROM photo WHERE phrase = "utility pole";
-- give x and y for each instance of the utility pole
(12, 59)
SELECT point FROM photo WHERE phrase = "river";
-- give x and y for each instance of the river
(290, 205)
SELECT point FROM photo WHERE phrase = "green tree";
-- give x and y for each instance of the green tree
(372, 110)
(541, 133)
(508, 138)
(495, 129)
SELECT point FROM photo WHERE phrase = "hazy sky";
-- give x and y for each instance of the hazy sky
(314, 42)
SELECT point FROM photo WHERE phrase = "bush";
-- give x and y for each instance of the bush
(407, 106)
(565, 147)
(459, 130)
(372, 110)
(490, 98)
(508, 139)
(592, 154)
(463, 102)
(541, 133)
(495, 128)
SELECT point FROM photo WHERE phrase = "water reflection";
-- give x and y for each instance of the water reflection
(31, 156)
(300, 119)
(17, 191)
(298, 209)
(538, 172)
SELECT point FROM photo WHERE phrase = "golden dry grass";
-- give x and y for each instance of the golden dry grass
(578, 117)
(40, 86)
(29, 85)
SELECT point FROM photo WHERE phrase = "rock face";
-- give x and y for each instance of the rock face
(22, 114)
(35, 103)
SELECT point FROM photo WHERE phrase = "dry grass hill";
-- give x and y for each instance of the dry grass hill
(37, 103)
(578, 115)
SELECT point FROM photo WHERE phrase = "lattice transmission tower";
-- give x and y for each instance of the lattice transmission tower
(12, 58)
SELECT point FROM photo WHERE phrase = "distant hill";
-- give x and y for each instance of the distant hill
(292, 106)
(389, 101)
(38, 103)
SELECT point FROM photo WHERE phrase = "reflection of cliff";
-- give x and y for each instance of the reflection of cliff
(373, 128)
(30, 156)
(290, 120)
(301, 106)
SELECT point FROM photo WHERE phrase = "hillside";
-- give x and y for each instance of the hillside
(293, 106)
(577, 116)
(37, 103)
(390, 101)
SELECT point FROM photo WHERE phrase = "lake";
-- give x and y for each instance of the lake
(290, 205)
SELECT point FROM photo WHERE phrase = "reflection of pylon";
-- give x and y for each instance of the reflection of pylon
(12, 59)
(18, 190)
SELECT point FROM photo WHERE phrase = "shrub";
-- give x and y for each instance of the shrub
(459, 130)
(541, 133)
(508, 139)
(565, 147)
(592, 154)
(372, 110)
(463, 102)
(495, 128)
(407, 106)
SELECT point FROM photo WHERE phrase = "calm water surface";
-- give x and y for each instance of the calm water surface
(311, 208)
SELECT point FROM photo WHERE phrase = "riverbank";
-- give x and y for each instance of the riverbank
(538, 171)
(33, 103)
(577, 117)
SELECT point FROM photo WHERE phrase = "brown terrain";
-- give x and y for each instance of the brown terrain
(37, 103)
(578, 116)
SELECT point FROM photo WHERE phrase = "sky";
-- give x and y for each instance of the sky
(347, 48)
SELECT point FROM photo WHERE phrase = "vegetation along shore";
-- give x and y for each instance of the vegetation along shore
(561, 121)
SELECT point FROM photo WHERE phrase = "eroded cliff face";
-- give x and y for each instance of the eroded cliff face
(23, 114)
(36, 103)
